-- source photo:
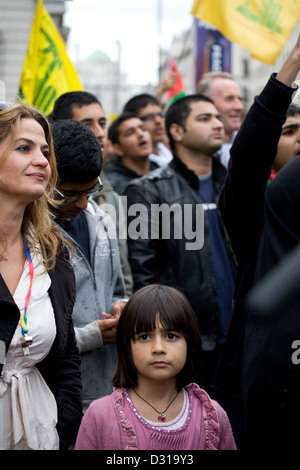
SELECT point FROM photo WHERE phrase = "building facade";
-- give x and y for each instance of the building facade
(250, 74)
(104, 77)
(15, 25)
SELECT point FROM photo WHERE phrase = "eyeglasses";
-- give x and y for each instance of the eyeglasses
(72, 196)
(151, 116)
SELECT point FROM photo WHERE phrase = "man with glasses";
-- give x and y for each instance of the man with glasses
(149, 110)
(99, 280)
(85, 107)
(76, 200)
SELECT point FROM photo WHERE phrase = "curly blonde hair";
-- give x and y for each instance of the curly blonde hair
(45, 233)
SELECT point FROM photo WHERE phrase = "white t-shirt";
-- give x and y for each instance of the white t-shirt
(28, 410)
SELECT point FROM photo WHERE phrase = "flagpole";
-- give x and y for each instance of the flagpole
(159, 30)
(118, 80)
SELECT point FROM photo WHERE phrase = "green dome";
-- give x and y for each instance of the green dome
(98, 56)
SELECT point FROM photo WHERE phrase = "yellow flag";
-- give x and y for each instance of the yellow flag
(260, 26)
(47, 70)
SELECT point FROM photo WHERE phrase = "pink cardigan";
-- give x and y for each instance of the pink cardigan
(106, 426)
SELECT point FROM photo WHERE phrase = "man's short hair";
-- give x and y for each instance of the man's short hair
(179, 110)
(293, 110)
(140, 101)
(113, 130)
(204, 85)
(63, 106)
(77, 150)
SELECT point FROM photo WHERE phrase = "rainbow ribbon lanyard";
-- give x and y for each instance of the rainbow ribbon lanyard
(24, 317)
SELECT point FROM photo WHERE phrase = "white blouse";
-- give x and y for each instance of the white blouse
(28, 411)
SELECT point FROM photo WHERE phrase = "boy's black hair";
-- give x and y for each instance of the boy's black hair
(293, 110)
(113, 130)
(77, 150)
(139, 315)
(140, 101)
(178, 112)
(63, 106)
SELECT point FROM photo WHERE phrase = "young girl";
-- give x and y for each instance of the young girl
(155, 405)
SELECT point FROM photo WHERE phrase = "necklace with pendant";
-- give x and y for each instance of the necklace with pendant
(162, 414)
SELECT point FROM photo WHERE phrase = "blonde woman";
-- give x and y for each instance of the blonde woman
(40, 383)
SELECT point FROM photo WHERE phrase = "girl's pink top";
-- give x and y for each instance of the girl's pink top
(112, 423)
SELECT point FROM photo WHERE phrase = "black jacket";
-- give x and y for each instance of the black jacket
(61, 368)
(166, 259)
(120, 175)
(264, 225)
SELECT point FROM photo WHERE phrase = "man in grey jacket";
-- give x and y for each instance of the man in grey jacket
(99, 281)
(85, 107)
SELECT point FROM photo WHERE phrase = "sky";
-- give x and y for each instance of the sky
(140, 27)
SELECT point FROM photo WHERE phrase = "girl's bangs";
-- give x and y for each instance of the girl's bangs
(145, 318)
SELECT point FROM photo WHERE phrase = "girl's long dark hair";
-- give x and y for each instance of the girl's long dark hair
(139, 315)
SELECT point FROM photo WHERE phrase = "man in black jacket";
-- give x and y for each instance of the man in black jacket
(263, 222)
(182, 241)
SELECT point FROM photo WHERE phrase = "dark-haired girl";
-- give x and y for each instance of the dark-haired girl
(155, 404)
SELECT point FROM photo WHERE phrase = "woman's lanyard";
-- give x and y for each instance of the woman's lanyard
(26, 341)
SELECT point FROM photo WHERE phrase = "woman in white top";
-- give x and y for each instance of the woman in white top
(40, 383)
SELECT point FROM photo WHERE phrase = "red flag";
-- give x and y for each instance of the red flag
(179, 89)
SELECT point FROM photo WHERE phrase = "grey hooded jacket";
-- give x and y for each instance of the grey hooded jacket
(99, 284)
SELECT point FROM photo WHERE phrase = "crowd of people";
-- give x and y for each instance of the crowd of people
(128, 257)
